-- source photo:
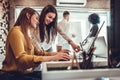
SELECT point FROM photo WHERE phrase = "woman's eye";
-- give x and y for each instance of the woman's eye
(50, 17)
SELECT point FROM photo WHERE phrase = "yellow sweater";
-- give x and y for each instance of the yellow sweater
(18, 56)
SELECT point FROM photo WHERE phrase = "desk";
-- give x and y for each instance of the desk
(76, 74)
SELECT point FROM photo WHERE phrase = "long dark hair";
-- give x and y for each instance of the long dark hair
(24, 22)
(51, 28)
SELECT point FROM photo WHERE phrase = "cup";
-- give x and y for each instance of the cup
(59, 48)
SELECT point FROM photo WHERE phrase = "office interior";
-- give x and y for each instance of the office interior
(106, 43)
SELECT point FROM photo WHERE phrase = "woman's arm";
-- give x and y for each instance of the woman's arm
(74, 46)
(58, 56)
(20, 51)
(29, 60)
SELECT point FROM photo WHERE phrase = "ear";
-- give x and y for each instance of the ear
(28, 15)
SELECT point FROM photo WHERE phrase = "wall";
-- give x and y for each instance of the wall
(94, 4)
(98, 4)
(4, 23)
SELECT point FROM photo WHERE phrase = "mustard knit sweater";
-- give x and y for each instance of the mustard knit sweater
(18, 56)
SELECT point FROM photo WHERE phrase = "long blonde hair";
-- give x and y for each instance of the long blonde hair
(25, 23)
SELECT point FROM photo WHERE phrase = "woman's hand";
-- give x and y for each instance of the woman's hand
(62, 56)
(75, 47)
(65, 51)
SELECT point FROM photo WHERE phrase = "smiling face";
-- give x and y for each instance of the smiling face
(49, 18)
(35, 20)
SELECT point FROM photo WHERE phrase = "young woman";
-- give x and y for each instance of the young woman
(94, 19)
(21, 53)
(48, 29)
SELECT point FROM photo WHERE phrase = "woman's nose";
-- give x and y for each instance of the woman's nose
(37, 22)
(51, 20)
